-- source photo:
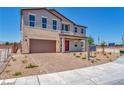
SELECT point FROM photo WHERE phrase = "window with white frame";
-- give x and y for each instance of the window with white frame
(54, 22)
(76, 44)
(75, 29)
(82, 44)
(44, 22)
(31, 20)
(82, 30)
(65, 27)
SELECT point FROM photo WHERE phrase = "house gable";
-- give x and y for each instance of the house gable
(39, 13)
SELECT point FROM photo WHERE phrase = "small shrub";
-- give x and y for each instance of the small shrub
(110, 53)
(24, 61)
(91, 56)
(98, 59)
(83, 57)
(7, 71)
(8, 65)
(78, 56)
(80, 53)
(94, 55)
(110, 60)
(13, 59)
(107, 57)
(104, 54)
(74, 54)
(93, 61)
(26, 56)
(17, 74)
(31, 66)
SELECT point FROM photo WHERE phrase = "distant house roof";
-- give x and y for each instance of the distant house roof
(52, 12)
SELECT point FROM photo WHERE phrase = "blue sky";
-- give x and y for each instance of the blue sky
(107, 23)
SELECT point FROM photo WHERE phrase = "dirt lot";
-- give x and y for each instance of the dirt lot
(43, 63)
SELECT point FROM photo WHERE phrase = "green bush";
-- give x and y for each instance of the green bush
(24, 61)
(9, 65)
(107, 57)
(78, 56)
(13, 59)
(83, 57)
(17, 74)
(93, 61)
(31, 66)
(7, 71)
(74, 54)
(98, 59)
(110, 60)
(94, 55)
(104, 54)
(110, 53)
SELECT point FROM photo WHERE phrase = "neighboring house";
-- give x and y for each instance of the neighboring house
(46, 30)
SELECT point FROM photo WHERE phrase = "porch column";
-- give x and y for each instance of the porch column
(87, 49)
(86, 44)
(63, 44)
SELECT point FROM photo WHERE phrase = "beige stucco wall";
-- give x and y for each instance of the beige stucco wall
(33, 33)
(38, 15)
(79, 47)
(65, 21)
(38, 33)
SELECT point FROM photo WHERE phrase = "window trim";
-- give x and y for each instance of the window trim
(81, 30)
(54, 25)
(76, 44)
(64, 26)
(75, 31)
(31, 21)
(46, 22)
(82, 43)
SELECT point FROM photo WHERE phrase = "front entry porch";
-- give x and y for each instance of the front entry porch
(66, 45)
(72, 44)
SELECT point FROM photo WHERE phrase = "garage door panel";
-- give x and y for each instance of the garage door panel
(42, 46)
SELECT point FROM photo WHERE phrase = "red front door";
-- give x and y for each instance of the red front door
(66, 45)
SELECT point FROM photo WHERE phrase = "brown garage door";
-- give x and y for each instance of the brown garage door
(42, 46)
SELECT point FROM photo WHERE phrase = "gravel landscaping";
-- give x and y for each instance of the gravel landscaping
(43, 63)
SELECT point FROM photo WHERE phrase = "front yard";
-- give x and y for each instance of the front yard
(43, 63)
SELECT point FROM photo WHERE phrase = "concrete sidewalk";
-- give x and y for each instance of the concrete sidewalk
(110, 73)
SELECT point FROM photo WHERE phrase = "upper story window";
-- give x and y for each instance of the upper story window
(31, 20)
(82, 30)
(82, 44)
(44, 22)
(54, 24)
(76, 44)
(65, 27)
(75, 29)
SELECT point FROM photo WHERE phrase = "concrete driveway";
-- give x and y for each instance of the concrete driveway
(109, 73)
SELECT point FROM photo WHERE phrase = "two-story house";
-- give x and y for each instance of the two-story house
(46, 30)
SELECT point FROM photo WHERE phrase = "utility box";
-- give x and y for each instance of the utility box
(121, 52)
(92, 47)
